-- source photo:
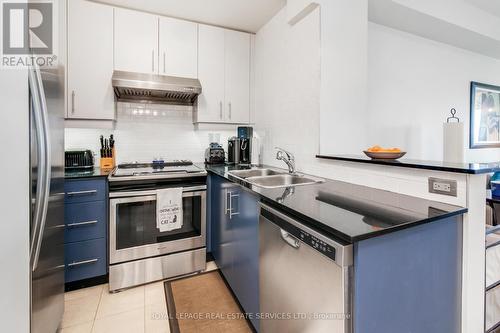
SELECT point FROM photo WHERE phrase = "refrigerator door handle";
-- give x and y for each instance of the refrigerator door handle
(47, 168)
(37, 120)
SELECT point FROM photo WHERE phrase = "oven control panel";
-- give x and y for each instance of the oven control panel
(317, 244)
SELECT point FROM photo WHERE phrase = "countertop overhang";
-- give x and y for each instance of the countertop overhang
(467, 168)
(347, 212)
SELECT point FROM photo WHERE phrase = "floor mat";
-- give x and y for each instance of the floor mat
(203, 303)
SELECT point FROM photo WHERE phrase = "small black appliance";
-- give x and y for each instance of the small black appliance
(78, 159)
(233, 150)
(214, 154)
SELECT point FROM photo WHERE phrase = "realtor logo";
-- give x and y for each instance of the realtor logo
(29, 33)
(27, 28)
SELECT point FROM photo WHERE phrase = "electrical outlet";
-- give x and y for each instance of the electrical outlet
(443, 186)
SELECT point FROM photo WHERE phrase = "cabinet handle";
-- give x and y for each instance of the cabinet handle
(73, 102)
(90, 192)
(79, 224)
(220, 108)
(230, 110)
(227, 208)
(84, 262)
(164, 62)
(231, 196)
(153, 60)
(231, 214)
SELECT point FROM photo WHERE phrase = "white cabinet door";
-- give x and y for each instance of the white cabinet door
(136, 41)
(211, 74)
(237, 76)
(90, 61)
(178, 48)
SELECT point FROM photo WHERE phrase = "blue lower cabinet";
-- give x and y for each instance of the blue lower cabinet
(396, 290)
(85, 259)
(85, 221)
(86, 225)
(234, 217)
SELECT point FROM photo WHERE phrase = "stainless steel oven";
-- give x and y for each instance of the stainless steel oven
(138, 251)
(133, 232)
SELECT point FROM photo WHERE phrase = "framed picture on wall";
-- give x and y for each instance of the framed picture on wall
(484, 116)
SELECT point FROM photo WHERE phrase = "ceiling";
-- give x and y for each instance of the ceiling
(245, 15)
(490, 6)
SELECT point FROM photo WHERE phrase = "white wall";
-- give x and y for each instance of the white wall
(343, 76)
(143, 132)
(413, 83)
(287, 83)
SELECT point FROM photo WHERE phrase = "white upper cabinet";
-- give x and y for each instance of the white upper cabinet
(224, 73)
(237, 76)
(178, 47)
(211, 102)
(136, 41)
(90, 61)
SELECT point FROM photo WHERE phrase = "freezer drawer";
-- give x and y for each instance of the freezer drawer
(85, 259)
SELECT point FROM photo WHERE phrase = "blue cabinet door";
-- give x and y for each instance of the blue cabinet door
(85, 259)
(235, 241)
(245, 229)
(222, 239)
(84, 190)
(85, 221)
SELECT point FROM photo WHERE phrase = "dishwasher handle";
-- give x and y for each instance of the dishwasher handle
(289, 239)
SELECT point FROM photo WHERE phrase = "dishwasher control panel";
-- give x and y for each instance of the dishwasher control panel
(302, 235)
(317, 244)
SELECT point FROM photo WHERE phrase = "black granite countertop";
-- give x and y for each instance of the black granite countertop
(469, 168)
(96, 172)
(348, 212)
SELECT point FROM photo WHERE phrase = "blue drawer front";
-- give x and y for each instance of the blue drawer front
(85, 221)
(85, 259)
(85, 190)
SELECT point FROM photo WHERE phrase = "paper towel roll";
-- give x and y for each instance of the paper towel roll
(453, 143)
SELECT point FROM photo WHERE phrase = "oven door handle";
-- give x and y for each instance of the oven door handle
(153, 192)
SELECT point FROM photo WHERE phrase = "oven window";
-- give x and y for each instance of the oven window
(136, 223)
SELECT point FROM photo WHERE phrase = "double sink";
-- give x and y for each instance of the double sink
(269, 178)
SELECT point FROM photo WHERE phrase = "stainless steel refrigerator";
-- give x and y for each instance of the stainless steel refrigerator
(47, 198)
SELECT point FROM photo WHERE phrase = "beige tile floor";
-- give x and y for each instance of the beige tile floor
(137, 310)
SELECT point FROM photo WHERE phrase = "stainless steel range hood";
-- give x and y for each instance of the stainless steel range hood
(150, 88)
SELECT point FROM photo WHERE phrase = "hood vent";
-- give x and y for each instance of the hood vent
(150, 88)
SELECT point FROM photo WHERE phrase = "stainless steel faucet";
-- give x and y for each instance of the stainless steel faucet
(287, 157)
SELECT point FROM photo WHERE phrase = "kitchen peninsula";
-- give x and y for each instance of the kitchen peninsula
(412, 177)
(392, 247)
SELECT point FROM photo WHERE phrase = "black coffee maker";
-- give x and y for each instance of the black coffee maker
(245, 135)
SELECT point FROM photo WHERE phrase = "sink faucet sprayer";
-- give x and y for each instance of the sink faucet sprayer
(286, 157)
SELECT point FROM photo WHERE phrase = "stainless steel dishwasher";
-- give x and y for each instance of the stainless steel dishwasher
(305, 278)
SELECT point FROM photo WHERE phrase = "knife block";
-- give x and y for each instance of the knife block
(107, 163)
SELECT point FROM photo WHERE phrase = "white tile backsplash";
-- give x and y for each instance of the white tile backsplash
(146, 131)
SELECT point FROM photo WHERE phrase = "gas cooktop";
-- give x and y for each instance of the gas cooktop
(156, 169)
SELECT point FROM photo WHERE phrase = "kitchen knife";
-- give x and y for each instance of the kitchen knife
(111, 145)
(101, 138)
(106, 148)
